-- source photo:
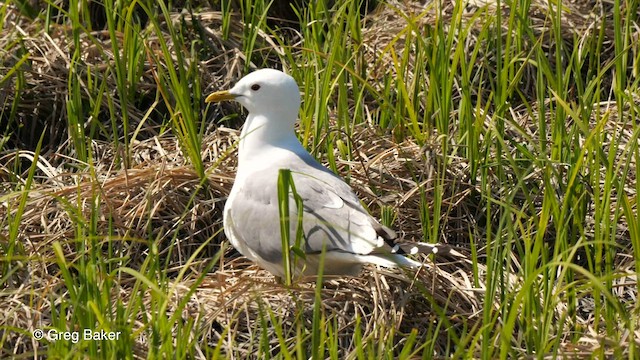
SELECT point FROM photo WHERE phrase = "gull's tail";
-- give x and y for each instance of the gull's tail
(397, 259)
(396, 249)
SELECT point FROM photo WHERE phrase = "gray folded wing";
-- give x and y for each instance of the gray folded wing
(332, 216)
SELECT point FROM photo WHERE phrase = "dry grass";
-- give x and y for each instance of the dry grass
(158, 194)
(160, 198)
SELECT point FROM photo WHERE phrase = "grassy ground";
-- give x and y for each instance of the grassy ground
(507, 129)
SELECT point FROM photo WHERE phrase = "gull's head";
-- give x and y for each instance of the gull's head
(263, 91)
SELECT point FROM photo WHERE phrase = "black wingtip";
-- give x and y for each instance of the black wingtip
(426, 248)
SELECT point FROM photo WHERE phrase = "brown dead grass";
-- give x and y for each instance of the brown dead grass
(161, 198)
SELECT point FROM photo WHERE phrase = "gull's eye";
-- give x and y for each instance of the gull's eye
(255, 87)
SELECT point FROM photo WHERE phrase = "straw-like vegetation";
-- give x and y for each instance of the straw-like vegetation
(506, 129)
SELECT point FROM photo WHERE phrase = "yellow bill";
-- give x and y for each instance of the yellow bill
(220, 96)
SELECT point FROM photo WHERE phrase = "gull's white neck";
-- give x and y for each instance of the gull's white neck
(263, 131)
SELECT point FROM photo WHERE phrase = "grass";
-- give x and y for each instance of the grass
(506, 133)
